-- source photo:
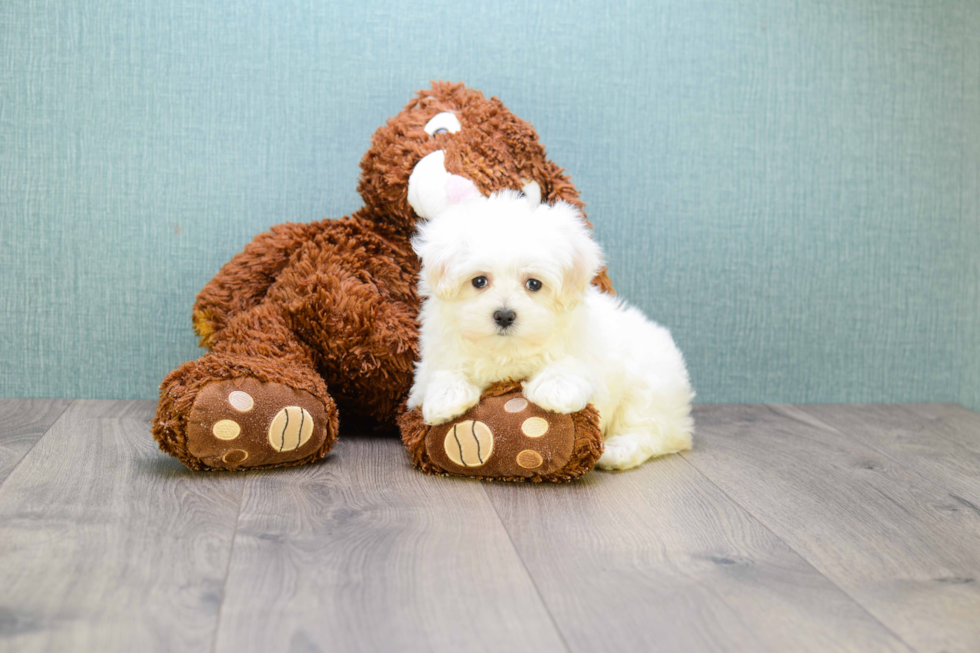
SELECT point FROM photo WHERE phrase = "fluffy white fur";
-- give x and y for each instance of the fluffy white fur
(573, 344)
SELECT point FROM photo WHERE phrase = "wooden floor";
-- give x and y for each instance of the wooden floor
(788, 528)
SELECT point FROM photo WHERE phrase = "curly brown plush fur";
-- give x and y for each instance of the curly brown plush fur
(330, 307)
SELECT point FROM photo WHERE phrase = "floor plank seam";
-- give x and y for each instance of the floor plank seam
(231, 557)
(684, 456)
(27, 453)
(833, 429)
(910, 409)
(534, 583)
(883, 452)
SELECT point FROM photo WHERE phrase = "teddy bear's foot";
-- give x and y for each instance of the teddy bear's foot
(506, 437)
(244, 423)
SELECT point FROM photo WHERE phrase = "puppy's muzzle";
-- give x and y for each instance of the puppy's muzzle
(504, 317)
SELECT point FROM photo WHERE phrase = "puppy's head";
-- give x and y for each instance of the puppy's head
(504, 270)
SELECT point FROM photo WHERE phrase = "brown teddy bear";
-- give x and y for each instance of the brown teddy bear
(317, 319)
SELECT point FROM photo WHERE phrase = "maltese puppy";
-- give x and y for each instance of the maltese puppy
(507, 295)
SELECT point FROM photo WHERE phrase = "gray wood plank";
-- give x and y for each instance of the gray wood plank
(22, 423)
(931, 449)
(659, 559)
(109, 545)
(881, 533)
(363, 553)
(957, 424)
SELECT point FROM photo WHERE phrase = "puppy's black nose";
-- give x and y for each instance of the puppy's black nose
(504, 317)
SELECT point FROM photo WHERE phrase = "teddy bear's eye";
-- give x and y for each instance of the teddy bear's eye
(480, 282)
(533, 285)
(443, 123)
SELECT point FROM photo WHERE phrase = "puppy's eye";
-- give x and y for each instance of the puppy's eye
(533, 285)
(480, 282)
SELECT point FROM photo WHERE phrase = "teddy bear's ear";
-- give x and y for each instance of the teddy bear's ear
(431, 189)
(532, 191)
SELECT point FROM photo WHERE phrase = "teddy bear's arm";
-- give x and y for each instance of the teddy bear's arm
(244, 280)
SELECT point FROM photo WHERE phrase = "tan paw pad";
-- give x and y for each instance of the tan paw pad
(534, 427)
(529, 459)
(516, 405)
(469, 443)
(290, 429)
(235, 456)
(241, 401)
(226, 429)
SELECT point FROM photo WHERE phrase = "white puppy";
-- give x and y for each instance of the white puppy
(507, 295)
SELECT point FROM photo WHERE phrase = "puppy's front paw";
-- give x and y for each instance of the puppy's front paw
(559, 393)
(447, 400)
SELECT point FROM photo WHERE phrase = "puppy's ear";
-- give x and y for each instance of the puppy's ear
(439, 280)
(431, 189)
(584, 254)
(437, 249)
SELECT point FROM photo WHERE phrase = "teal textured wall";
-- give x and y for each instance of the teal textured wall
(793, 188)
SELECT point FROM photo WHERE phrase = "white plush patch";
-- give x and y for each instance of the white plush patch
(516, 405)
(442, 123)
(431, 188)
(532, 191)
(241, 401)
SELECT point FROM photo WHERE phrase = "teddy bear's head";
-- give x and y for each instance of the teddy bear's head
(477, 138)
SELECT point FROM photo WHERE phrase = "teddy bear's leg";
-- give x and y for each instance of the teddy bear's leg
(506, 437)
(243, 282)
(364, 333)
(255, 400)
